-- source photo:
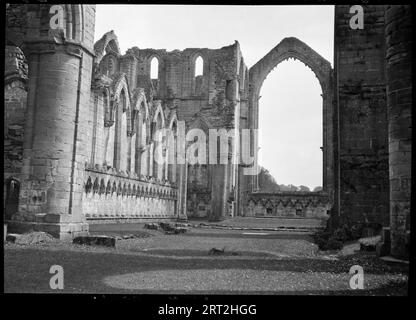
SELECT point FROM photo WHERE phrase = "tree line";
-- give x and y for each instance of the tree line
(267, 183)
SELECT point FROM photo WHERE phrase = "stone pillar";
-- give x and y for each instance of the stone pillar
(327, 143)
(182, 171)
(219, 176)
(360, 141)
(150, 162)
(398, 33)
(255, 142)
(182, 180)
(144, 162)
(131, 150)
(56, 144)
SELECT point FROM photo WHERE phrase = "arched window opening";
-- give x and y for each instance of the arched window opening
(291, 127)
(199, 66)
(154, 68)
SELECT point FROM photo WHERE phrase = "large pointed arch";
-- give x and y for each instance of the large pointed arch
(120, 85)
(294, 48)
(290, 48)
(173, 119)
(107, 43)
(158, 111)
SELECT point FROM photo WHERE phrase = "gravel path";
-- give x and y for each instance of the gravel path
(278, 247)
(172, 281)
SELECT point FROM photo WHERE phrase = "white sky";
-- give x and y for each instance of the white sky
(291, 105)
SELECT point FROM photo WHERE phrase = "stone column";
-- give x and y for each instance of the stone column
(182, 171)
(131, 150)
(219, 191)
(398, 33)
(327, 143)
(252, 180)
(56, 144)
(150, 160)
(182, 180)
(144, 162)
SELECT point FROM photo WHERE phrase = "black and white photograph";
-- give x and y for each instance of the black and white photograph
(207, 150)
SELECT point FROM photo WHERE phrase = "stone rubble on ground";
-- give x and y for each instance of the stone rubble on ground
(369, 244)
(29, 238)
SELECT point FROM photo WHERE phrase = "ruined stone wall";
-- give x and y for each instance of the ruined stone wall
(111, 196)
(398, 34)
(16, 22)
(15, 97)
(288, 48)
(210, 100)
(15, 102)
(82, 148)
(58, 81)
(314, 205)
(178, 87)
(360, 101)
(106, 109)
(123, 118)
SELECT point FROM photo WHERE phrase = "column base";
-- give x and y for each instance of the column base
(60, 230)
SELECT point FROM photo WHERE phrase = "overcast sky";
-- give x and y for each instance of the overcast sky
(290, 107)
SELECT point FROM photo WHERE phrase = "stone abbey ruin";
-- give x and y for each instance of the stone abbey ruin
(81, 123)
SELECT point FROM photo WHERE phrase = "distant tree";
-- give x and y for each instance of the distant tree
(304, 188)
(317, 189)
(293, 188)
(267, 183)
(283, 187)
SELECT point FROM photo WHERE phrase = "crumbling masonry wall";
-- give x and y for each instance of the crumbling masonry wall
(59, 63)
(360, 105)
(15, 101)
(204, 102)
(81, 122)
(207, 101)
(398, 34)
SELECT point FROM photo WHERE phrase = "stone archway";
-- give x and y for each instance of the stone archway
(294, 48)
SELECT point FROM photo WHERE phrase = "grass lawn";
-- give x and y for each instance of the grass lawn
(26, 269)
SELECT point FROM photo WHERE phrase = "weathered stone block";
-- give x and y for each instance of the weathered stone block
(29, 238)
(153, 226)
(369, 244)
(95, 241)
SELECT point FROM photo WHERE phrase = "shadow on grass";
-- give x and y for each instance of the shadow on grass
(28, 270)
